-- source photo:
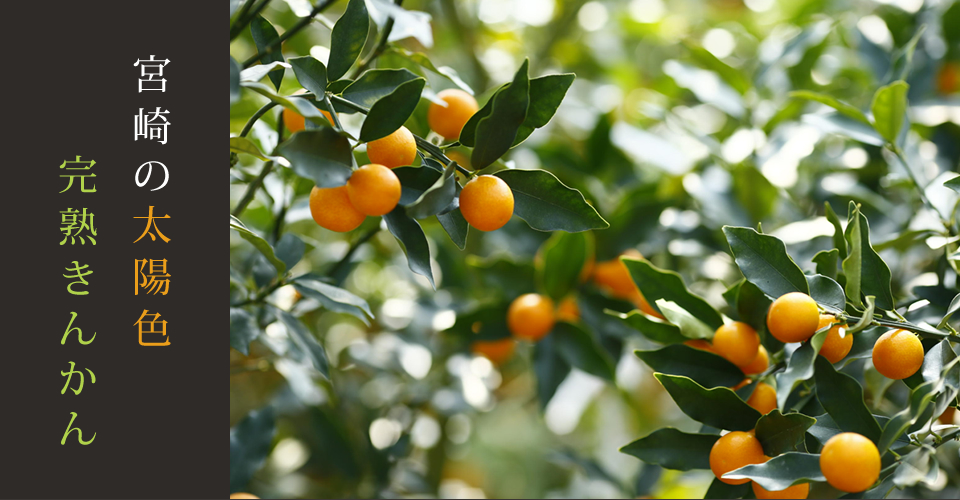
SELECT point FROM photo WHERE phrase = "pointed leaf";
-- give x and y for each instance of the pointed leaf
(311, 74)
(346, 41)
(412, 240)
(258, 243)
(374, 85)
(827, 261)
(672, 449)
(305, 340)
(656, 284)
(546, 94)
(437, 197)
(690, 326)
(833, 102)
(842, 397)
(562, 258)
(782, 472)
(265, 34)
(827, 293)
(582, 351)
(705, 368)
(243, 330)
(546, 204)
(718, 407)
(779, 433)
(322, 155)
(874, 275)
(497, 131)
(889, 107)
(333, 298)
(651, 327)
(764, 261)
(391, 111)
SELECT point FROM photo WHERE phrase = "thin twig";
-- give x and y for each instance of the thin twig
(256, 116)
(252, 189)
(242, 23)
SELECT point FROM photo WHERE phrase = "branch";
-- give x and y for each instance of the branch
(237, 28)
(302, 23)
(252, 189)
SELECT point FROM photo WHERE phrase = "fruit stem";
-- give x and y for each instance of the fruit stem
(302, 23)
(923, 331)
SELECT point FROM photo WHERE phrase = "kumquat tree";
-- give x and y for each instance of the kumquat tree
(605, 248)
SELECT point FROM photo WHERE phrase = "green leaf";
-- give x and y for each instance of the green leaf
(391, 111)
(673, 449)
(951, 310)
(718, 407)
(582, 351)
(455, 226)
(690, 326)
(866, 319)
(256, 73)
(414, 181)
(918, 466)
(779, 433)
(655, 284)
(650, 327)
(551, 368)
(546, 204)
(422, 60)
(720, 489)
(243, 330)
(838, 240)
(346, 41)
(763, 260)
(799, 366)
(250, 443)
(827, 261)
(833, 102)
(842, 397)
(258, 243)
(333, 298)
(263, 35)
(468, 135)
(322, 155)
(752, 305)
(546, 94)
(836, 123)
(782, 472)
(704, 368)
(863, 267)
(305, 340)
(562, 258)
(953, 184)
(311, 74)
(234, 81)
(496, 132)
(437, 197)
(754, 192)
(827, 293)
(246, 146)
(374, 85)
(889, 106)
(290, 249)
(412, 240)
(294, 103)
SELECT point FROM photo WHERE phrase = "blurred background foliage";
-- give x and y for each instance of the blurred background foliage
(679, 121)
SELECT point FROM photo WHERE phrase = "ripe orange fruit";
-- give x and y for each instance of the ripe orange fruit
(243, 496)
(497, 351)
(834, 348)
(613, 276)
(461, 159)
(763, 399)
(331, 209)
(793, 317)
(486, 202)
(738, 342)
(732, 451)
(295, 122)
(374, 189)
(395, 150)
(946, 417)
(850, 462)
(759, 363)
(568, 310)
(795, 491)
(701, 344)
(449, 121)
(530, 317)
(897, 354)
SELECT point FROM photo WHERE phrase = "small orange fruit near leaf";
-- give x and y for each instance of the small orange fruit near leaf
(793, 317)
(734, 450)
(395, 150)
(374, 189)
(738, 342)
(486, 202)
(530, 317)
(331, 209)
(449, 120)
(897, 354)
(850, 462)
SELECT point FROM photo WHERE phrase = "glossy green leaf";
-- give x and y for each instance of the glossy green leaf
(561, 259)
(550, 367)
(863, 261)
(414, 181)
(827, 262)
(842, 397)
(827, 292)
(650, 327)
(839, 242)
(246, 146)
(833, 102)
(437, 197)
(889, 107)
(243, 330)
(717, 407)
(781, 472)
(259, 243)
(322, 155)
(764, 261)
(250, 442)
(391, 111)
(455, 226)
(347, 39)
(918, 466)
(689, 325)
(953, 184)
(703, 367)
(656, 284)
(333, 298)
(582, 351)
(256, 73)
(290, 249)
(373, 85)
(412, 240)
(920, 398)
(951, 310)
(305, 341)
(546, 94)
(799, 366)
(311, 74)
(546, 204)
(752, 305)
(720, 489)
(496, 132)
(672, 449)
(422, 60)
(779, 433)
(263, 35)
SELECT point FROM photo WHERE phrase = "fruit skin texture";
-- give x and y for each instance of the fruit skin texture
(738, 342)
(395, 150)
(793, 317)
(850, 462)
(897, 354)
(530, 317)
(486, 202)
(449, 121)
(795, 491)
(568, 310)
(497, 351)
(763, 399)
(759, 363)
(732, 451)
(834, 348)
(331, 209)
(374, 189)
